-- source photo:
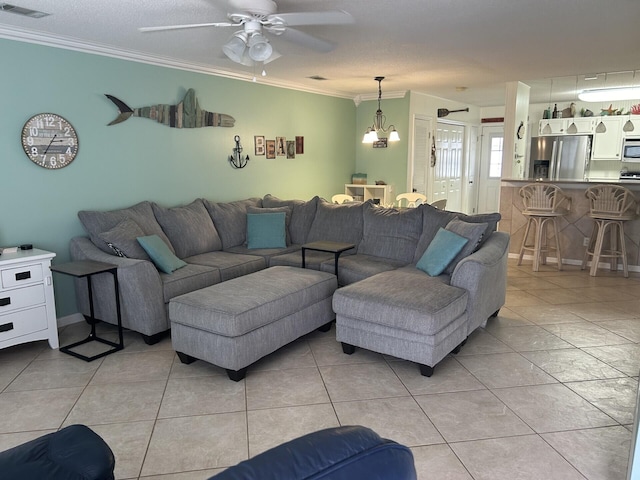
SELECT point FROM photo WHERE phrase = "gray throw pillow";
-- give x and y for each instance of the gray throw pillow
(96, 222)
(337, 223)
(471, 231)
(189, 228)
(391, 233)
(122, 238)
(302, 215)
(230, 220)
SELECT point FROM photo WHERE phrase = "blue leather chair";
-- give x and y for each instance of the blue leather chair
(341, 453)
(73, 453)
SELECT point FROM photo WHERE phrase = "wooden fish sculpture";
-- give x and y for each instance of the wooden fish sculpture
(186, 114)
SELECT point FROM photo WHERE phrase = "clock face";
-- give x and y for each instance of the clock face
(49, 141)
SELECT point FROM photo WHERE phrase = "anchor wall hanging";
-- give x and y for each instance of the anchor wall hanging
(186, 114)
(236, 159)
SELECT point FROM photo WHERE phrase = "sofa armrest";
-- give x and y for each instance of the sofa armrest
(484, 275)
(141, 292)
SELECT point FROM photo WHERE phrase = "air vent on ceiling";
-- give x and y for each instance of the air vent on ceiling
(6, 7)
(317, 77)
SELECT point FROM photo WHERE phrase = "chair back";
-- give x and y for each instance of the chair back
(413, 199)
(611, 201)
(544, 198)
(440, 204)
(341, 198)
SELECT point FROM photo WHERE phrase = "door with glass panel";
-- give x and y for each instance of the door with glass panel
(447, 172)
(490, 169)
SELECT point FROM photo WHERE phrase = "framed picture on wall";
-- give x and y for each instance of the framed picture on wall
(281, 146)
(299, 145)
(271, 149)
(259, 144)
(291, 149)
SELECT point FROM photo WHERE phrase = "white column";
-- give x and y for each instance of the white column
(516, 111)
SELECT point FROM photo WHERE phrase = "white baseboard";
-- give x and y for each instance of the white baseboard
(569, 261)
(70, 319)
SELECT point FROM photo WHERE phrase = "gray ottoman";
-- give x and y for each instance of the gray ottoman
(403, 313)
(234, 323)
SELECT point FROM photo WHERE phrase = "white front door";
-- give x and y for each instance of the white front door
(470, 193)
(490, 169)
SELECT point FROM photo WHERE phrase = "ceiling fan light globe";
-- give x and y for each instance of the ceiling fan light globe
(235, 49)
(259, 48)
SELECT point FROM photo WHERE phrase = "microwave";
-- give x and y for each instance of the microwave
(631, 149)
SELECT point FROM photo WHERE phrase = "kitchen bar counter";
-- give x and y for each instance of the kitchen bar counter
(574, 227)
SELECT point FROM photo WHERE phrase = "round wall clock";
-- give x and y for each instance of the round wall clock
(49, 140)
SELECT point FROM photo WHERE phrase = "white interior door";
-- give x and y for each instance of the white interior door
(490, 169)
(470, 191)
(421, 153)
(447, 173)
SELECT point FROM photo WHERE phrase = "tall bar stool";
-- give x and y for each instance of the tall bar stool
(544, 203)
(609, 206)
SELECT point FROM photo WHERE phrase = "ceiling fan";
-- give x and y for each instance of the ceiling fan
(249, 46)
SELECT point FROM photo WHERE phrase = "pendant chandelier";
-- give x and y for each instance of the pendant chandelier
(379, 120)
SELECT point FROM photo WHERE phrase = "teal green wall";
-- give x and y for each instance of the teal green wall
(387, 164)
(139, 159)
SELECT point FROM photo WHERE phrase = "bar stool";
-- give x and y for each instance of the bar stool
(609, 206)
(543, 204)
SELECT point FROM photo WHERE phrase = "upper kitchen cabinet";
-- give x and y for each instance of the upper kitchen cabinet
(635, 121)
(559, 126)
(607, 145)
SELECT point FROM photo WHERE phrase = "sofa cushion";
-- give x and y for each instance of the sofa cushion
(337, 223)
(230, 220)
(266, 230)
(231, 265)
(96, 222)
(188, 279)
(390, 233)
(162, 257)
(354, 268)
(471, 231)
(286, 210)
(302, 215)
(189, 228)
(123, 238)
(441, 251)
(433, 219)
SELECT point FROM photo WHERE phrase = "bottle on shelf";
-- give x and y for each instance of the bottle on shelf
(555, 111)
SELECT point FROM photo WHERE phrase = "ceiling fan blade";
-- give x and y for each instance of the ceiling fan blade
(193, 25)
(304, 39)
(335, 17)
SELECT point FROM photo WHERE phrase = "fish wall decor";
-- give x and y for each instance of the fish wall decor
(186, 114)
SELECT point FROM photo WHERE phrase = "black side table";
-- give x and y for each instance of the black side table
(326, 246)
(87, 268)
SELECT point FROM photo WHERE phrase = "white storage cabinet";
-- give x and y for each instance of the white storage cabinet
(27, 305)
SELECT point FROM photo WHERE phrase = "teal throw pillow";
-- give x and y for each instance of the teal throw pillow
(441, 251)
(161, 256)
(266, 230)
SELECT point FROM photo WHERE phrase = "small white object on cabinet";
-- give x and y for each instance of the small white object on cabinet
(27, 305)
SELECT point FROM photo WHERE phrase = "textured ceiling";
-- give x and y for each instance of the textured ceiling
(428, 46)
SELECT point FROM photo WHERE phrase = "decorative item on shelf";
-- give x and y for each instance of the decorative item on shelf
(443, 112)
(547, 128)
(236, 159)
(186, 114)
(573, 128)
(379, 120)
(359, 179)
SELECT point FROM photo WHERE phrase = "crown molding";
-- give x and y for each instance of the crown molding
(56, 41)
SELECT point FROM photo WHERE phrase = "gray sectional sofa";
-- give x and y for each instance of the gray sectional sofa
(210, 237)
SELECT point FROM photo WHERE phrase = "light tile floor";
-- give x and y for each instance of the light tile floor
(546, 391)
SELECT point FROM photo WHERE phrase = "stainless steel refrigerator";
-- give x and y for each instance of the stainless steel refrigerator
(560, 158)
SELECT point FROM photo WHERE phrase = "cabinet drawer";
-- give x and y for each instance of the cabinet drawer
(23, 275)
(23, 322)
(21, 297)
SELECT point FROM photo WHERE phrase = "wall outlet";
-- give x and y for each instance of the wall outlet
(585, 242)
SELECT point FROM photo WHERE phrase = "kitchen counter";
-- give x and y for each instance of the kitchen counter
(574, 226)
